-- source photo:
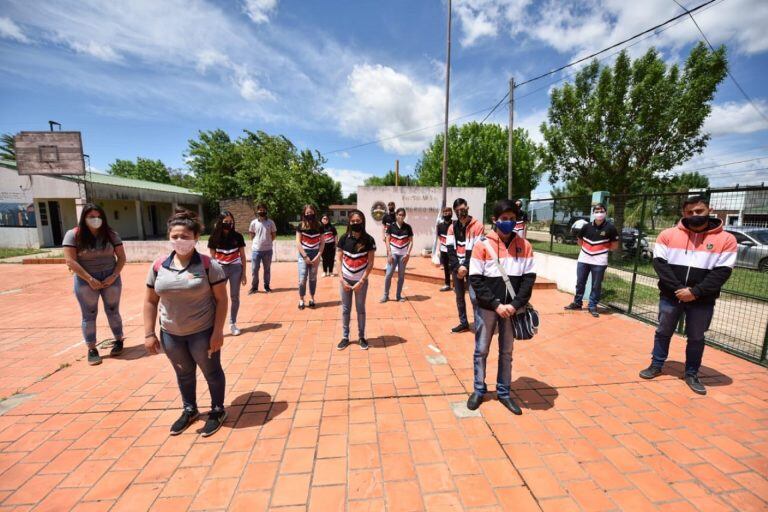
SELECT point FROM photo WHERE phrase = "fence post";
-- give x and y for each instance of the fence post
(552, 225)
(638, 252)
(764, 354)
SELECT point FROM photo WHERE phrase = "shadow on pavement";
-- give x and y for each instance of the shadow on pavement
(385, 341)
(268, 326)
(256, 409)
(534, 394)
(417, 298)
(709, 376)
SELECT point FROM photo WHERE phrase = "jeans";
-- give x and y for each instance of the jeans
(188, 352)
(234, 273)
(346, 308)
(486, 323)
(307, 272)
(329, 254)
(399, 263)
(259, 258)
(583, 270)
(460, 286)
(446, 268)
(698, 316)
(88, 298)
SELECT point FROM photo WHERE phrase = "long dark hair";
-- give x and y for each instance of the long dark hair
(306, 225)
(85, 239)
(218, 229)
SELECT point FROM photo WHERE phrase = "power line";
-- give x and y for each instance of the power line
(723, 165)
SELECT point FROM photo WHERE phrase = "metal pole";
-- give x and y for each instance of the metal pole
(638, 252)
(397, 173)
(510, 148)
(447, 97)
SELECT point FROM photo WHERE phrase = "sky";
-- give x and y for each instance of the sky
(141, 78)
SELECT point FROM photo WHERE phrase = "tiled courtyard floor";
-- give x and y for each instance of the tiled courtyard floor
(312, 428)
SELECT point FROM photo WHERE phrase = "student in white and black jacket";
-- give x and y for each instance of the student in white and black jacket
(495, 305)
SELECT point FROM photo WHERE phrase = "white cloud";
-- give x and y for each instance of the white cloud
(734, 117)
(100, 51)
(381, 102)
(350, 179)
(10, 30)
(259, 10)
(531, 122)
(484, 18)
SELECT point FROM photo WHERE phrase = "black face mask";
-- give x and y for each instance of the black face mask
(227, 225)
(391, 210)
(310, 217)
(447, 218)
(262, 214)
(695, 221)
(463, 214)
(356, 228)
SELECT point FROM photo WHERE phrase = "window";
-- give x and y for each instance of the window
(732, 220)
(43, 213)
(343, 213)
(739, 237)
(117, 215)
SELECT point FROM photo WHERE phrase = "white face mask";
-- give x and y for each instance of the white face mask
(600, 216)
(93, 222)
(183, 246)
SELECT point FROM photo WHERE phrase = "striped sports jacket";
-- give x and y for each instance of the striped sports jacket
(460, 240)
(486, 280)
(701, 261)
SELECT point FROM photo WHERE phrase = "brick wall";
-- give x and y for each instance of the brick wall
(244, 211)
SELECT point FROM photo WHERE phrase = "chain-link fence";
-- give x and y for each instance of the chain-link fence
(740, 322)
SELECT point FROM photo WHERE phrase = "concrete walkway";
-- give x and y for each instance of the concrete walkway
(312, 428)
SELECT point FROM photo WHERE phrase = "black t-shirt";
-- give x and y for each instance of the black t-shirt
(388, 219)
(228, 248)
(597, 242)
(400, 238)
(442, 233)
(355, 255)
(310, 238)
(329, 233)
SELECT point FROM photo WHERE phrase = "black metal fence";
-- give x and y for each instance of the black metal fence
(740, 322)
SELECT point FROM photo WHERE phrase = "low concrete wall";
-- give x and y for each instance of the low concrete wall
(558, 269)
(142, 250)
(19, 238)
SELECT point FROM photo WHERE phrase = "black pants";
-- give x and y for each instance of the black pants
(329, 253)
(446, 267)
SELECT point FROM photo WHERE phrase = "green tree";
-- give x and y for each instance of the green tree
(388, 180)
(7, 147)
(477, 157)
(624, 128)
(143, 169)
(213, 159)
(350, 199)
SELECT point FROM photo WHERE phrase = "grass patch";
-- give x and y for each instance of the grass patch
(616, 290)
(11, 252)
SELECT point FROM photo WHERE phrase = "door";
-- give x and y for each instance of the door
(153, 219)
(55, 215)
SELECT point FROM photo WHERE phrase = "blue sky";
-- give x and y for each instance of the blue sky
(140, 78)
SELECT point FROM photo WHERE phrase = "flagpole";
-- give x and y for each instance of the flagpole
(447, 97)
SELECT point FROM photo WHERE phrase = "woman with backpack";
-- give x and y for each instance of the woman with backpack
(329, 252)
(227, 246)
(310, 243)
(191, 293)
(94, 252)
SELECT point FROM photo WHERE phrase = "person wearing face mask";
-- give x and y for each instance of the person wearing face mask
(693, 261)
(387, 220)
(442, 234)
(521, 229)
(310, 243)
(501, 250)
(95, 254)
(227, 246)
(460, 238)
(189, 289)
(399, 246)
(596, 239)
(329, 252)
(263, 232)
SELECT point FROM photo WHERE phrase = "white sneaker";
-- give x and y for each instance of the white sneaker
(234, 330)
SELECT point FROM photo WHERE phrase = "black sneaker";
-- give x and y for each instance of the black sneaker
(363, 344)
(695, 384)
(188, 416)
(445, 288)
(213, 423)
(474, 401)
(117, 348)
(460, 328)
(253, 291)
(301, 305)
(650, 372)
(594, 312)
(511, 405)
(344, 343)
(267, 289)
(93, 357)
(573, 306)
(311, 304)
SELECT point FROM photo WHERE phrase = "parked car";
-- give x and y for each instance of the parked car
(753, 247)
(629, 241)
(564, 232)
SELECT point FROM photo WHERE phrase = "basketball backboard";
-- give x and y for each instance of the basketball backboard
(52, 153)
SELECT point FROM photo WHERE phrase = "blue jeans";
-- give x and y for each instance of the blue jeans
(486, 323)
(346, 308)
(398, 264)
(583, 270)
(234, 273)
(698, 316)
(88, 298)
(259, 258)
(307, 272)
(460, 286)
(188, 352)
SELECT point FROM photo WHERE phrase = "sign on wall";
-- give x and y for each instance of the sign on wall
(51, 153)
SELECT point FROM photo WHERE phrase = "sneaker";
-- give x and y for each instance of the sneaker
(267, 289)
(312, 303)
(252, 291)
(344, 343)
(383, 299)
(234, 330)
(213, 423)
(188, 416)
(401, 299)
(474, 401)
(511, 405)
(594, 312)
(93, 357)
(650, 372)
(363, 344)
(301, 304)
(445, 288)
(573, 306)
(695, 384)
(117, 348)
(460, 328)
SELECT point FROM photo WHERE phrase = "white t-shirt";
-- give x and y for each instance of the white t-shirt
(262, 239)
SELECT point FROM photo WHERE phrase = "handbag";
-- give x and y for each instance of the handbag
(525, 321)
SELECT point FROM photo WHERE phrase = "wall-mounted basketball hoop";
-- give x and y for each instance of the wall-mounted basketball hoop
(51, 153)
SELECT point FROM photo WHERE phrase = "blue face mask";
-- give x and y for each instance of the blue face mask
(505, 226)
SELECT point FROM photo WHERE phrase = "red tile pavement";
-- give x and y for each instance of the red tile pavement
(311, 428)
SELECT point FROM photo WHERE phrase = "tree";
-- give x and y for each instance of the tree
(478, 158)
(213, 159)
(350, 199)
(7, 147)
(388, 180)
(144, 169)
(624, 128)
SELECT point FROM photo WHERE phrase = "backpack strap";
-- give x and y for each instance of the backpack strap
(157, 264)
(206, 262)
(499, 267)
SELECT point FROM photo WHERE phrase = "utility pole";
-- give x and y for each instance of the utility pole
(447, 96)
(511, 141)
(397, 173)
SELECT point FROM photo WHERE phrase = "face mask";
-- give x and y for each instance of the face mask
(695, 221)
(600, 216)
(310, 217)
(463, 214)
(447, 218)
(227, 225)
(262, 214)
(93, 222)
(356, 228)
(183, 246)
(391, 210)
(505, 226)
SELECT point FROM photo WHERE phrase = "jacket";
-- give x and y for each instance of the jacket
(702, 261)
(460, 240)
(486, 280)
